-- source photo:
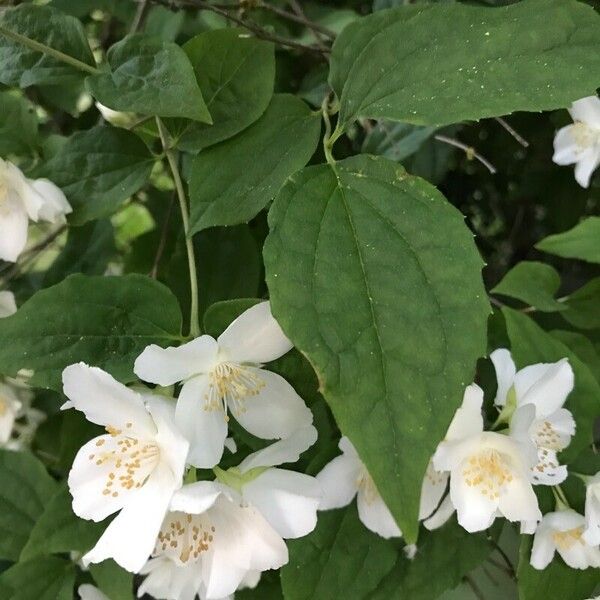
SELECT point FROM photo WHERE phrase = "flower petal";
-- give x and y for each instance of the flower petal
(204, 427)
(288, 501)
(104, 400)
(276, 411)
(53, 206)
(166, 366)
(542, 551)
(468, 419)
(254, 337)
(284, 451)
(87, 591)
(196, 498)
(441, 515)
(585, 167)
(505, 373)
(519, 502)
(8, 306)
(587, 110)
(88, 480)
(433, 488)
(131, 536)
(13, 228)
(339, 481)
(566, 149)
(376, 516)
(592, 511)
(545, 385)
(173, 446)
(475, 512)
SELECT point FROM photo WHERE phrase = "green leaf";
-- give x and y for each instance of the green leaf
(43, 578)
(103, 321)
(408, 64)
(18, 124)
(25, 490)
(20, 66)
(59, 530)
(534, 283)
(581, 242)
(88, 250)
(582, 305)
(98, 169)
(230, 183)
(150, 77)
(376, 279)
(582, 347)
(236, 74)
(114, 581)
(556, 582)
(396, 141)
(530, 344)
(341, 558)
(451, 550)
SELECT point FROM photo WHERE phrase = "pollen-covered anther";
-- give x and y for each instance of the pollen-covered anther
(229, 385)
(184, 537)
(488, 472)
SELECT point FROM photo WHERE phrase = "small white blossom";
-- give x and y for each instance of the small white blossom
(134, 468)
(21, 200)
(221, 535)
(346, 477)
(225, 376)
(592, 510)
(579, 143)
(489, 472)
(10, 410)
(116, 117)
(562, 531)
(8, 306)
(544, 386)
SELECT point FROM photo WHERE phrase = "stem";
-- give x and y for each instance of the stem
(468, 150)
(39, 47)
(329, 138)
(172, 160)
(561, 500)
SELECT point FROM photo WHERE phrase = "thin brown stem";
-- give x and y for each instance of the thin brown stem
(140, 16)
(163, 238)
(469, 151)
(512, 132)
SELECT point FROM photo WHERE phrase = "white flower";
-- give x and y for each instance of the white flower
(592, 510)
(345, 477)
(550, 427)
(10, 410)
(8, 306)
(489, 472)
(215, 540)
(22, 199)
(580, 143)
(224, 375)
(222, 534)
(116, 117)
(87, 591)
(134, 468)
(563, 531)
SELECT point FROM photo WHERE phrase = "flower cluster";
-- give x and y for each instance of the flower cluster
(206, 537)
(492, 473)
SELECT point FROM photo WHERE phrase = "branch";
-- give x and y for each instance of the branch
(512, 132)
(469, 151)
(259, 31)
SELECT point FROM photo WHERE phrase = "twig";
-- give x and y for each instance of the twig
(500, 566)
(316, 31)
(504, 556)
(163, 238)
(31, 254)
(469, 151)
(512, 132)
(259, 31)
